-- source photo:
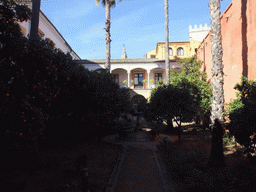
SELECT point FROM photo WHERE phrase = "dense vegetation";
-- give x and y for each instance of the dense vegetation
(187, 97)
(192, 78)
(45, 95)
(242, 112)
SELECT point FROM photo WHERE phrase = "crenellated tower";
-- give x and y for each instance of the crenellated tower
(198, 33)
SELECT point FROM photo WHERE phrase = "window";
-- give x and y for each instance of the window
(152, 56)
(158, 76)
(138, 77)
(180, 51)
(116, 77)
(170, 51)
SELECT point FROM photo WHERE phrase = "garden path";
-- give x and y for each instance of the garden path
(139, 168)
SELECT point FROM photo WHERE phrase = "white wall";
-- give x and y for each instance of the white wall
(198, 33)
(122, 76)
(50, 32)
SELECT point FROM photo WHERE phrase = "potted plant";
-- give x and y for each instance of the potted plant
(125, 82)
(160, 81)
(152, 81)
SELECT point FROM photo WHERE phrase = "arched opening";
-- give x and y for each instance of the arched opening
(170, 52)
(120, 75)
(139, 102)
(180, 51)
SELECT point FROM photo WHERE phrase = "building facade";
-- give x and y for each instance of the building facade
(238, 29)
(181, 49)
(140, 75)
(47, 30)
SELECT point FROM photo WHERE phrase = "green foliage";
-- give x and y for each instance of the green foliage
(242, 112)
(45, 94)
(228, 140)
(168, 101)
(160, 82)
(190, 77)
(140, 104)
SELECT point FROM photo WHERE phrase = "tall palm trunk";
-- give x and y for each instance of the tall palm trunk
(167, 65)
(108, 40)
(217, 119)
(35, 18)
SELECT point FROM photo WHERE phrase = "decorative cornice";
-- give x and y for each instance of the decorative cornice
(121, 61)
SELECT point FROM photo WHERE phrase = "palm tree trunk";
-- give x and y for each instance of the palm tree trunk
(35, 18)
(108, 40)
(167, 65)
(217, 119)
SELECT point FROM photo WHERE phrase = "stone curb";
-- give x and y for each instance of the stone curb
(115, 174)
(167, 185)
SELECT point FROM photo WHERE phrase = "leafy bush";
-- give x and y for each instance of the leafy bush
(171, 102)
(228, 140)
(242, 113)
(183, 166)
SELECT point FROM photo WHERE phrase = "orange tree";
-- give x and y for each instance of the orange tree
(108, 101)
(170, 102)
(29, 76)
(42, 87)
(190, 76)
(242, 112)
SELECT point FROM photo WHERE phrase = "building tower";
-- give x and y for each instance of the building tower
(124, 55)
(198, 34)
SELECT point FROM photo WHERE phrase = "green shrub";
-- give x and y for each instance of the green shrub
(242, 113)
(183, 166)
(228, 140)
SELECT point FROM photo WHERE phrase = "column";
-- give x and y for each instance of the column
(128, 73)
(148, 71)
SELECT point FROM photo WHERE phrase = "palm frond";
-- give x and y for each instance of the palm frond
(103, 2)
(97, 2)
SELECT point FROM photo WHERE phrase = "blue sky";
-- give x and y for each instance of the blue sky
(138, 24)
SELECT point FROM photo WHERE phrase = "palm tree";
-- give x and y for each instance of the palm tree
(217, 113)
(167, 65)
(107, 4)
(35, 18)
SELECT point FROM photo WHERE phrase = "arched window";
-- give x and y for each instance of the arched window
(170, 52)
(180, 51)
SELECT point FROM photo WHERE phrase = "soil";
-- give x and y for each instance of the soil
(59, 171)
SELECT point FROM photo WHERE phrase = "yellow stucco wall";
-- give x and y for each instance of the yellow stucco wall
(148, 55)
(188, 47)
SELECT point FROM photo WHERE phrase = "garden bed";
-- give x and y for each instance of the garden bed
(59, 171)
(187, 170)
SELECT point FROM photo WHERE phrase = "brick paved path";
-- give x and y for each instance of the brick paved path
(139, 172)
(140, 169)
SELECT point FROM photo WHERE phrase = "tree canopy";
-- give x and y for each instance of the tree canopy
(45, 94)
(192, 78)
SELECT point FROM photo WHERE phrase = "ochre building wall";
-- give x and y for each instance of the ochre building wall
(238, 29)
(187, 46)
